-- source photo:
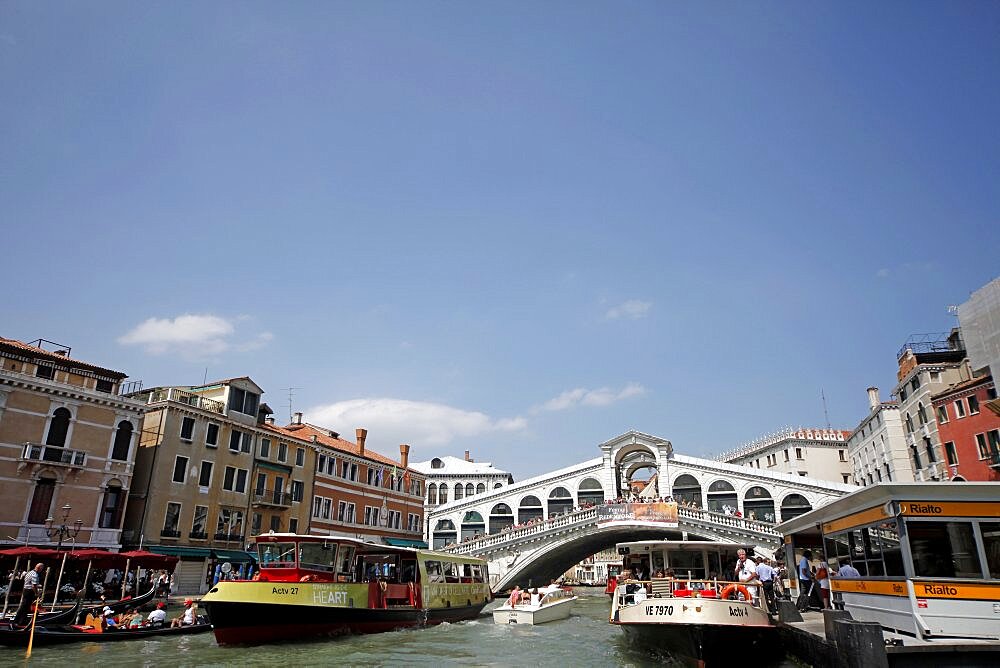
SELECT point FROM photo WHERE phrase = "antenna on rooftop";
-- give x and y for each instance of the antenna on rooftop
(291, 393)
(826, 413)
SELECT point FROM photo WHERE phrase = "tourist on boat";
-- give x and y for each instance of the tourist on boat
(108, 616)
(158, 617)
(187, 618)
(136, 620)
(515, 596)
(846, 570)
(28, 594)
(746, 570)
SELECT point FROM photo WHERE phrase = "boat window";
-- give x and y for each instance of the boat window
(991, 541)
(346, 558)
(892, 555)
(657, 561)
(450, 572)
(276, 555)
(477, 573)
(944, 550)
(434, 571)
(467, 573)
(683, 562)
(378, 566)
(318, 556)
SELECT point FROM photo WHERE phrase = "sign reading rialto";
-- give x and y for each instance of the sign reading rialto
(660, 513)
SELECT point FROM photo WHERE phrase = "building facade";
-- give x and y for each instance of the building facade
(450, 478)
(211, 472)
(928, 363)
(360, 493)
(970, 433)
(813, 453)
(68, 440)
(980, 320)
(877, 447)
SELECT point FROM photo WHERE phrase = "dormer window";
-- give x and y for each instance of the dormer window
(437, 463)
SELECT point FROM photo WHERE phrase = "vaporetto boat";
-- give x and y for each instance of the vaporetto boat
(311, 586)
(696, 617)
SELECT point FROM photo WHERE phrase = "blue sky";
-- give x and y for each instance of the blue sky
(520, 228)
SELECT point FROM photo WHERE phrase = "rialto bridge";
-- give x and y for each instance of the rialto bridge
(538, 528)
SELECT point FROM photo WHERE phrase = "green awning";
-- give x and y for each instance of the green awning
(406, 542)
(274, 467)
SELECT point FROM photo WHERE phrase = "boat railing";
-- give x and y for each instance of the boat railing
(632, 592)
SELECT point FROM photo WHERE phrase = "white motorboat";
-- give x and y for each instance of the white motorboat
(549, 604)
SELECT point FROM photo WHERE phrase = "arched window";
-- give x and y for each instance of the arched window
(687, 489)
(590, 491)
(501, 517)
(758, 504)
(480, 488)
(794, 505)
(470, 489)
(722, 497)
(443, 493)
(111, 508)
(472, 525)
(497, 485)
(444, 533)
(437, 463)
(432, 494)
(529, 509)
(123, 441)
(459, 491)
(58, 428)
(560, 501)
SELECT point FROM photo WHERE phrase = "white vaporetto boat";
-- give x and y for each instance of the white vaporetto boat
(549, 604)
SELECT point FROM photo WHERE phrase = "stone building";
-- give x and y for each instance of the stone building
(450, 478)
(813, 453)
(969, 431)
(877, 447)
(68, 441)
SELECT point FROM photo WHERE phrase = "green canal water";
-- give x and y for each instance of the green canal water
(585, 639)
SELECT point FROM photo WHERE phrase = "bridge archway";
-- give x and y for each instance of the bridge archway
(501, 517)
(794, 505)
(590, 491)
(560, 501)
(529, 509)
(758, 501)
(721, 493)
(688, 489)
(444, 534)
(472, 525)
(630, 460)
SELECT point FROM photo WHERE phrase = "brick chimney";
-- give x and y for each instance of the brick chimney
(361, 434)
(404, 455)
(297, 418)
(873, 400)
(467, 458)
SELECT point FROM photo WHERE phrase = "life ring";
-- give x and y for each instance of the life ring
(729, 589)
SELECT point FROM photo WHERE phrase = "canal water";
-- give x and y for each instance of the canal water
(585, 639)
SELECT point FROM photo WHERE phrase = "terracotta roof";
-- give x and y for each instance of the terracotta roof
(23, 349)
(307, 431)
(964, 385)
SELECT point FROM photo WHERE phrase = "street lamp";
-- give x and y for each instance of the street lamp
(63, 531)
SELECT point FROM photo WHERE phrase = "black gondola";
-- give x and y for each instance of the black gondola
(61, 635)
(51, 618)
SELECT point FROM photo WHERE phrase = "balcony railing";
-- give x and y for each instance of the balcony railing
(52, 454)
(229, 537)
(270, 497)
(170, 533)
(198, 535)
(182, 397)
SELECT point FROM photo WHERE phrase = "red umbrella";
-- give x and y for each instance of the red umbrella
(26, 551)
(146, 559)
(100, 558)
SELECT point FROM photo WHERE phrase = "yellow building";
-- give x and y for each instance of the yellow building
(211, 472)
(68, 444)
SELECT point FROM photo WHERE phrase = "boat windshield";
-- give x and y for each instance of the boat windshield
(276, 555)
(318, 556)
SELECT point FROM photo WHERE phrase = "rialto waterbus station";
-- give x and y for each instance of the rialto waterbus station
(928, 562)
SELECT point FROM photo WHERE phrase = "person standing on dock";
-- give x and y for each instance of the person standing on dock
(766, 575)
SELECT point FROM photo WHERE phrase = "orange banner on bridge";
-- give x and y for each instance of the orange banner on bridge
(663, 513)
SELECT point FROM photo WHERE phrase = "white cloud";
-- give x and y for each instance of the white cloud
(191, 335)
(882, 273)
(632, 309)
(604, 396)
(393, 421)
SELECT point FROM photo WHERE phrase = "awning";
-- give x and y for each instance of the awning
(406, 542)
(274, 467)
(238, 556)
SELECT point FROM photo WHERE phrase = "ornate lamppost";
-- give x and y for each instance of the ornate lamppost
(63, 530)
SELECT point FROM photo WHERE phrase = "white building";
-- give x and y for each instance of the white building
(814, 453)
(980, 319)
(877, 447)
(928, 363)
(450, 478)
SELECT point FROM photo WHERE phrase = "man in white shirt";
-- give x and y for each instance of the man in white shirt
(158, 616)
(28, 595)
(746, 570)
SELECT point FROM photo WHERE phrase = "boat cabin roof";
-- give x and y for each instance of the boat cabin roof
(887, 500)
